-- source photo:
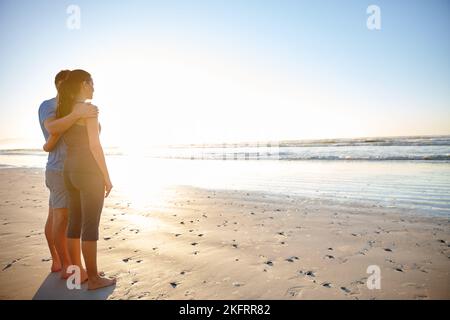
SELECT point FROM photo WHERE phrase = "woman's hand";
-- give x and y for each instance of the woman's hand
(85, 110)
(108, 187)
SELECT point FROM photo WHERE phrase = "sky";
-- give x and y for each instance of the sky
(228, 71)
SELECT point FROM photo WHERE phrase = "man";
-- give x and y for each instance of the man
(56, 225)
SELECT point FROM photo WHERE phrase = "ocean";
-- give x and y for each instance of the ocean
(411, 173)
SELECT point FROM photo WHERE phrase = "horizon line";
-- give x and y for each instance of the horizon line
(248, 142)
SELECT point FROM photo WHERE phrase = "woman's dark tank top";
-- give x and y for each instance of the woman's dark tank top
(79, 156)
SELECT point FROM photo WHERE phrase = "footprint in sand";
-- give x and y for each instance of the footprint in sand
(363, 251)
(177, 234)
(359, 282)
(173, 284)
(269, 263)
(345, 289)
(10, 264)
(326, 285)
(291, 259)
(235, 245)
(294, 291)
(126, 260)
(329, 256)
(390, 260)
(194, 243)
(308, 273)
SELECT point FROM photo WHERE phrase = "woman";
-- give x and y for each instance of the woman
(85, 175)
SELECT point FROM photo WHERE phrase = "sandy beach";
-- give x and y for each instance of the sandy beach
(216, 244)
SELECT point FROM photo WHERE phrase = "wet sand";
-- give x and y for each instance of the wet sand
(216, 244)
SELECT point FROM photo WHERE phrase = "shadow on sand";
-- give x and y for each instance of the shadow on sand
(54, 288)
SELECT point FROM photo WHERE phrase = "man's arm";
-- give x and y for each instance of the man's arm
(80, 110)
(51, 143)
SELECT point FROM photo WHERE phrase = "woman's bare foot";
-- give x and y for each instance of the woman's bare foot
(100, 282)
(66, 275)
(84, 276)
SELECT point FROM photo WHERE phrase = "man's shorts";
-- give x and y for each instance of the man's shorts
(59, 198)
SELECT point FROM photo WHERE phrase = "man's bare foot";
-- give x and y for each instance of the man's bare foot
(56, 266)
(64, 274)
(100, 282)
